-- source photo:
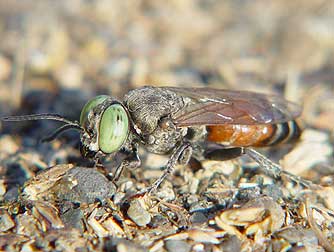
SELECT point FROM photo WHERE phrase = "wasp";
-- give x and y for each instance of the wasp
(203, 123)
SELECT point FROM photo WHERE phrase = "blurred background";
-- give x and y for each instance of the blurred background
(55, 55)
(79, 48)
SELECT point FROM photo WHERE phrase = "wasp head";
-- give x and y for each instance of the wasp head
(106, 125)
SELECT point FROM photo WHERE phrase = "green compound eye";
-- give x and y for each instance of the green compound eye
(114, 128)
(89, 106)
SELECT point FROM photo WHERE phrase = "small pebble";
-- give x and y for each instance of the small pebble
(91, 185)
(198, 218)
(73, 218)
(6, 222)
(138, 214)
(176, 245)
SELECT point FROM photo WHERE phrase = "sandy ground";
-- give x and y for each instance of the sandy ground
(56, 55)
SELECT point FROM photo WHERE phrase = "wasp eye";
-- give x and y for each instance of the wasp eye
(89, 106)
(114, 128)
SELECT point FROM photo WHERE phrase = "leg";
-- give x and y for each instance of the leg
(274, 170)
(181, 155)
(269, 167)
(131, 161)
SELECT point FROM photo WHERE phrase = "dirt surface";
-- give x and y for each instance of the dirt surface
(56, 55)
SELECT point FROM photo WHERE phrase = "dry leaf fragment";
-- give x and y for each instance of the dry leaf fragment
(113, 227)
(6, 221)
(38, 187)
(49, 212)
(99, 230)
(242, 216)
(202, 236)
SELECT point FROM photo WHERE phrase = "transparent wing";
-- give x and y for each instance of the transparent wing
(210, 106)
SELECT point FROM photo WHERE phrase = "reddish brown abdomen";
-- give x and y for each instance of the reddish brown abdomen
(253, 135)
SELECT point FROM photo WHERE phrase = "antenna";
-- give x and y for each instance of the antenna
(54, 117)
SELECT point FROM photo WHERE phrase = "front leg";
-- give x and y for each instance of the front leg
(131, 161)
(180, 155)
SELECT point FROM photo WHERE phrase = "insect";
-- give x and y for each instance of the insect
(203, 123)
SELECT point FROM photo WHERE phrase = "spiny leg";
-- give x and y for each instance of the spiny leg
(270, 168)
(274, 170)
(181, 155)
(131, 162)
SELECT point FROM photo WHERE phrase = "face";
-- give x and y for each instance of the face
(106, 125)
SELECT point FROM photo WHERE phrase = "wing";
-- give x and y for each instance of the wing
(210, 106)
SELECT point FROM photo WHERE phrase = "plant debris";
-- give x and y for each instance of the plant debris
(52, 199)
